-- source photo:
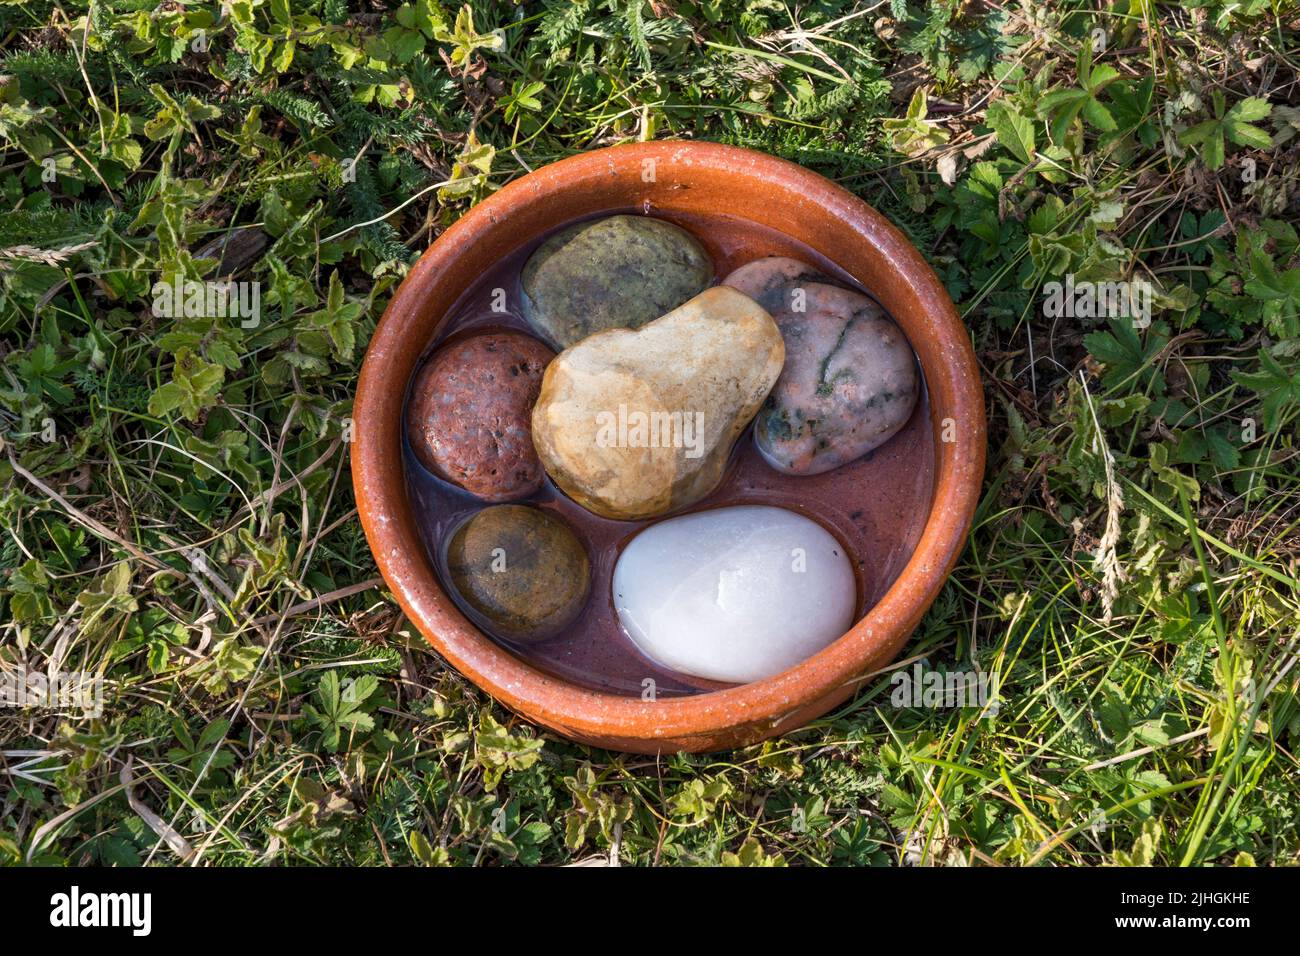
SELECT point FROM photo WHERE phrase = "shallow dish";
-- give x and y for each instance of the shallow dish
(687, 181)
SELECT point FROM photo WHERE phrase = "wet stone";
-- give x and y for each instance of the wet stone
(734, 594)
(850, 379)
(769, 281)
(616, 272)
(637, 424)
(521, 569)
(468, 420)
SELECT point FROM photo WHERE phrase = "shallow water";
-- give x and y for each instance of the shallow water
(876, 506)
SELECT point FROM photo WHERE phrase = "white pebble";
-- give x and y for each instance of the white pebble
(734, 594)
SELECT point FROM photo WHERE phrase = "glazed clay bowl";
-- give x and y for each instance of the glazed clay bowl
(687, 179)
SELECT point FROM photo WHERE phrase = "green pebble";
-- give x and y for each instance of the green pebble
(612, 273)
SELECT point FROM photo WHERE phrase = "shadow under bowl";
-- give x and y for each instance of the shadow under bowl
(688, 179)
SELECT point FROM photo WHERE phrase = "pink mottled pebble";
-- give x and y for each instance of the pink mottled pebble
(850, 380)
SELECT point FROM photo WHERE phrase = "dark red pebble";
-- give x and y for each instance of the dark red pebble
(468, 419)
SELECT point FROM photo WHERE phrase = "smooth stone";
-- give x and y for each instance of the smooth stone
(768, 280)
(522, 569)
(850, 380)
(616, 272)
(468, 420)
(636, 424)
(734, 594)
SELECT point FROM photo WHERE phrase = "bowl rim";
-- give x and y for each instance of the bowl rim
(770, 704)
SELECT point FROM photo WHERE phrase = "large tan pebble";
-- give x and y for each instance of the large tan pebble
(633, 424)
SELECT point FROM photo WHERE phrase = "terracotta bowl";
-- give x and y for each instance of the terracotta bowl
(700, 179)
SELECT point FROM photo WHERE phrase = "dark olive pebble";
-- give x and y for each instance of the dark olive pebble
(522, 569)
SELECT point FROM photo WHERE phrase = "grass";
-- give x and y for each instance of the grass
(176, 502)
